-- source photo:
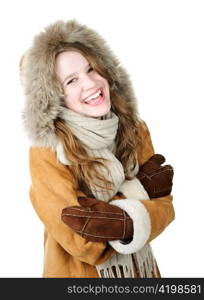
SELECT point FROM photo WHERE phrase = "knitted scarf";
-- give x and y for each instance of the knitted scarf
(98, 137)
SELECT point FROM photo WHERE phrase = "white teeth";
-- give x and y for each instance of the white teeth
(93, 96)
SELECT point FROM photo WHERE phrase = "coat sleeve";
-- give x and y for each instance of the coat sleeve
(161, 210)
(150, 216)
(53, 188)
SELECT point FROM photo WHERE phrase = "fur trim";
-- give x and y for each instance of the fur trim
(141, 226)
(129, 187)
(44, 95)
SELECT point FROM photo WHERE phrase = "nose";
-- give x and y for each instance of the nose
(88, 82)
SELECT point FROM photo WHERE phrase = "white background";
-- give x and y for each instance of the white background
(161, 44)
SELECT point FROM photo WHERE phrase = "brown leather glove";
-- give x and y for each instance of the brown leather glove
(156, 179)
(98, 221)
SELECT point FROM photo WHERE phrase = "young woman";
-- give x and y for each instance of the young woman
(97, 186)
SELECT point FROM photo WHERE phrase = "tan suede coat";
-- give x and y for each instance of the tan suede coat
(66, 254)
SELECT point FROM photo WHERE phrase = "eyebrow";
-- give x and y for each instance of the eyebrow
(73, 74)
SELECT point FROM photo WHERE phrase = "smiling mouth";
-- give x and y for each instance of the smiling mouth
(94, 98)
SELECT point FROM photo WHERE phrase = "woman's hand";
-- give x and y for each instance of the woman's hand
(98, 221)
(156, 179)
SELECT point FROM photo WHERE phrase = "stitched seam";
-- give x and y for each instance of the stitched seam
(145, 176)
(85, 226)
(101, 212)
(150, 176)
(92, 217)
(99, 236)
(144, 173)
(161, 172)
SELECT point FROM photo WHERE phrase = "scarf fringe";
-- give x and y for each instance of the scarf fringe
(145, 262)
(122, 266)
(117, 266)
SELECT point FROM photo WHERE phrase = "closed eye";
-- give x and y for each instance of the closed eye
(74, 79)
(90, 69)
(71, 81)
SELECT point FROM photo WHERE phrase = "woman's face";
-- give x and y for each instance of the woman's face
(86, 92)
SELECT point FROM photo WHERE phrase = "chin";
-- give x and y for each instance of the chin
(102, 112)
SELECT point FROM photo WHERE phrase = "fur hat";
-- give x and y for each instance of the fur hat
(44, 94)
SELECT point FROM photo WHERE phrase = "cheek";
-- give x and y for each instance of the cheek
(106, 84)
(104, 81)
(72, 95)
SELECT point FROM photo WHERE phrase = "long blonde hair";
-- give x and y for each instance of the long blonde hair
(83, 166)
